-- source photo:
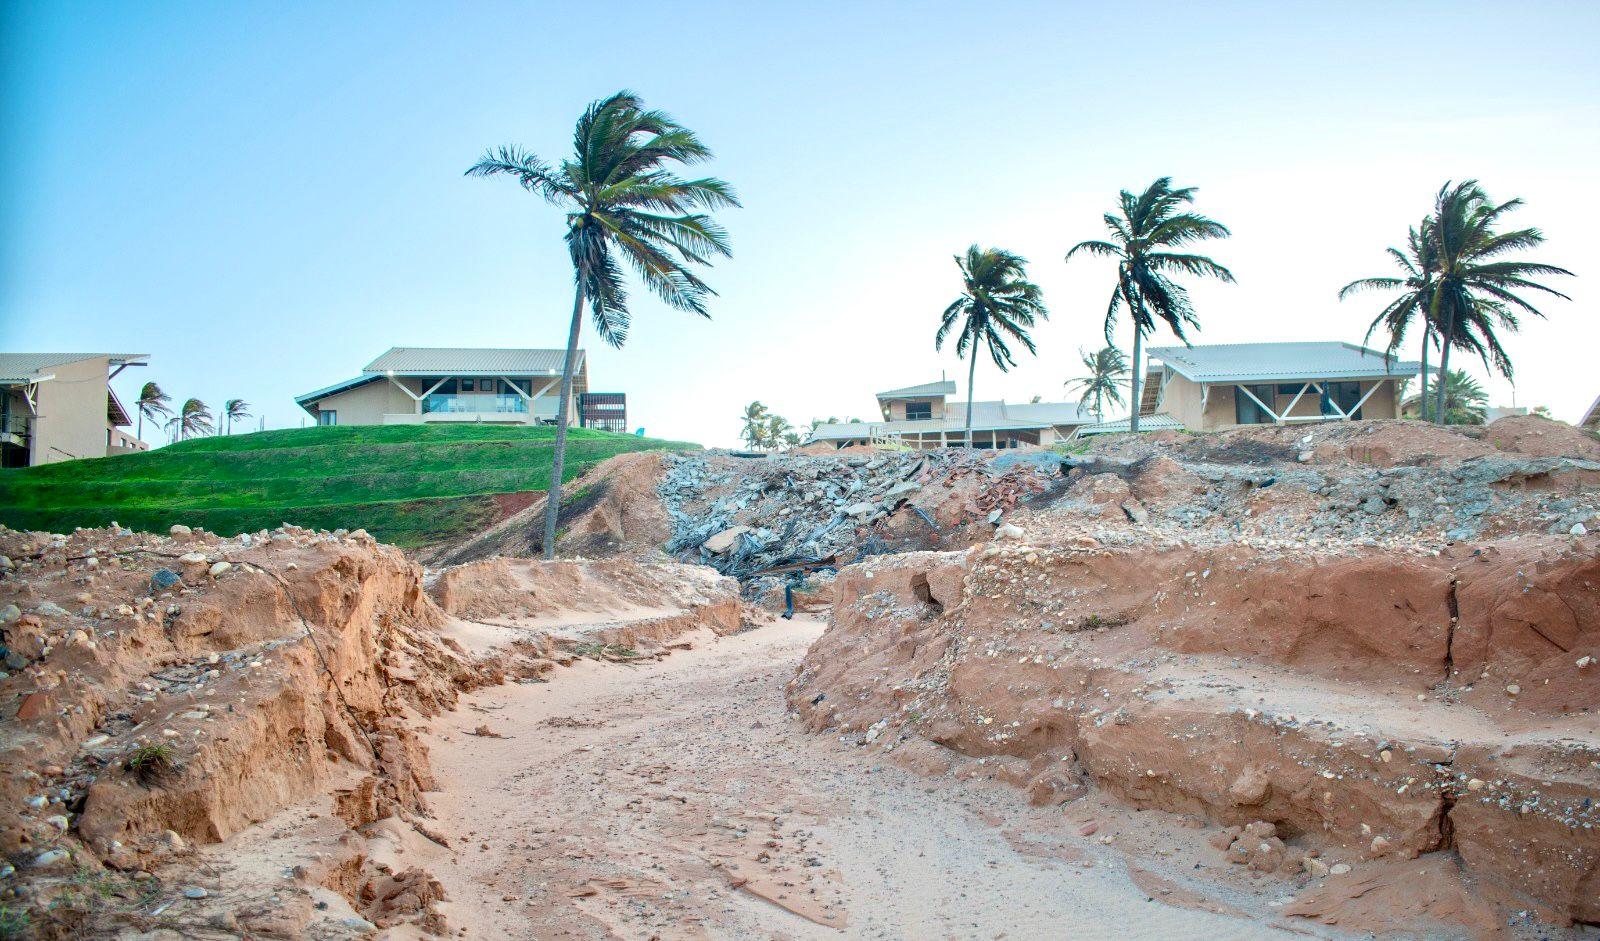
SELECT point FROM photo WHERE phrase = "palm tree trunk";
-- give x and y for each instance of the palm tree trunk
(140, 432)
(1445, 336)
(1134, 377)
(552, 500)
(972, 370)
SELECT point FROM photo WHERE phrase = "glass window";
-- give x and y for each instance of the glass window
(1245, 409)
(328, 417)
(919, 411)
(1344, 394)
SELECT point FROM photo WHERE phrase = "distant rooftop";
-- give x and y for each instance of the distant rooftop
(1158, 422)
(926, 390)
(986, 416)
(1275, 362)
(465, 361)
(18, 368)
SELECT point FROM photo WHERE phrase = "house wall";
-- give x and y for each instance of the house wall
(897, 407)
(367, 404)
(1219, 412)
(71, 422)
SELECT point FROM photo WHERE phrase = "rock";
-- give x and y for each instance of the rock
(1339, 869)
(50, 858)
(1136, 511)
(1009, 531)
(1578, 529)
(1584, 662)
(864, 508)
(6, 564)
(901, 489)
(1315, 868)
(218, 568)
(162, 579)
(194, 892)
(10, 613)
(1513, 689)
(725, 540)
(50, 609)
(192, 558)
(178, 529)
(1380, 845)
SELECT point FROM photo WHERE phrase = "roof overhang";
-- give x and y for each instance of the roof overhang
(311, 398)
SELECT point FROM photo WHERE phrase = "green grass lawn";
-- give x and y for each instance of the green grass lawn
(412, 485)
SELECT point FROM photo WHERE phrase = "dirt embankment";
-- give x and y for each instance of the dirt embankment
(1359, 709)
(161, 695)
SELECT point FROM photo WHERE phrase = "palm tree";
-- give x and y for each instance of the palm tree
(623, 203)
(755, 419)
(1419, 266)
(234, 409)
(152, 403)
(997, 301)
(1464, 399)
(192, 419)
(1476, 292)
(777, 431)
(1148, 223)
(1105, 368)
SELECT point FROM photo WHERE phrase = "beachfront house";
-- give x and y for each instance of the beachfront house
(1229, 385)
(60, 406)
(426, 385)
(931, 416)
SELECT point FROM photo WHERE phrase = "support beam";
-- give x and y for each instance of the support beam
(1252, 396)
(1363, 400)
(1296, 400)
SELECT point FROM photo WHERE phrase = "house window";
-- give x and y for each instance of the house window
(328, 417)
(919, 411)
(1343, 394)
(1245, 409)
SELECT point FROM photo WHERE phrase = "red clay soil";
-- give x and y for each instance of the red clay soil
(1368, 708)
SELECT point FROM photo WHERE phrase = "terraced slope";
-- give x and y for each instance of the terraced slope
(411, 485)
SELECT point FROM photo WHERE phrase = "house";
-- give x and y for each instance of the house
(1591, 418)
(924, 416)
(60, 406)
(411, 385)
(1208, 388)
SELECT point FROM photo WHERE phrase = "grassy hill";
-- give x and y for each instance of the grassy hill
(411, 485)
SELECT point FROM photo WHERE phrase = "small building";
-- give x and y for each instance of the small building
(1591, 418)
(607, 411)
(411, 385)
(924, 416)
(60, 407)
(1209, 388)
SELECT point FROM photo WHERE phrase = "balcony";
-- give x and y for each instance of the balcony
(478, 403)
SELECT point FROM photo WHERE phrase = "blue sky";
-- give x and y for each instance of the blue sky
(265, 196)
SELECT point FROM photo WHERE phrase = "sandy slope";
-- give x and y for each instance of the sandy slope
(675, 799)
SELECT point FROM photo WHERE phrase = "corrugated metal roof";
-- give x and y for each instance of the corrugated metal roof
(943, 387)
(324, 392)
(1275, 362)
(1160, 421)
(25, 367)
(986, 416)
(463, 361)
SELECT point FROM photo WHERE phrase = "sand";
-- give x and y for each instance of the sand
(675, 799)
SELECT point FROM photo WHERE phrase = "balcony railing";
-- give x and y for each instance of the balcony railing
(14, 423)
(471, 402)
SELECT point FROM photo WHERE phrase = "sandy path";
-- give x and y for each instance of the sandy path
(674, 799)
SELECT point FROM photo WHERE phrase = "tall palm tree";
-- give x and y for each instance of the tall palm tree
(1476, 291)
(1142, 230)
(192, 419)
(152, 403)
(755, 419)
(1465, 402)
(1105, 369)
(623, 203)
(1419, 266)
(777, 431)
(234, 409)
(997, 301)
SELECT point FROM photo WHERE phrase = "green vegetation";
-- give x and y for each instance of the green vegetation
(1142, 236)
(997, 301)
(622, 203)
(411, 485)
(150, 763)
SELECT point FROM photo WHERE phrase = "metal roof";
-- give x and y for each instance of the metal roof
(326, 391)
(1275, 362)
(927, 389)
(18, 368)
(986, 416)
(461, 361)
(1591, 418)
(1160, 421)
